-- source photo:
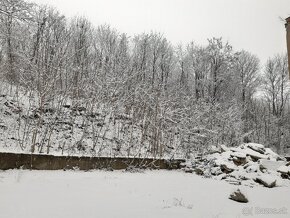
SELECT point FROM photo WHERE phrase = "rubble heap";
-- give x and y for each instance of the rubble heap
(249, 164)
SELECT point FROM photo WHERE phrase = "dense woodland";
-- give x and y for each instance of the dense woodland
(199, 95)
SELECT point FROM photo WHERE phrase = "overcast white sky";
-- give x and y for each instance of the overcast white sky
(253, 25)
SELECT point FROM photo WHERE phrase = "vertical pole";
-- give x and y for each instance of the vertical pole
(287, 25)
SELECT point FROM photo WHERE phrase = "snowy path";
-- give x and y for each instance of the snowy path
(70, 194)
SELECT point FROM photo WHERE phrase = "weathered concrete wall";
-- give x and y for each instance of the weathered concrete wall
(49, 162)
(287, 25)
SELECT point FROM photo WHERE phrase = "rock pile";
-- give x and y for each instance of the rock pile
(249, 164)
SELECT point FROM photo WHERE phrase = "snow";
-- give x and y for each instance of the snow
(75, 194)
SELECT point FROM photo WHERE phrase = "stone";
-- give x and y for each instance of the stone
(239, 161)
(272, 155)
(251, 167)
(224, 148)
(254, 155)
(239, 158)
(257, 147)
(284, 169)
(285, 172)
(270, 164)
(213, 149)
(238, 155)
(199, 171)
(238, 196)
(266, 180)
(216, 171)
(188, 170)
(227, 167)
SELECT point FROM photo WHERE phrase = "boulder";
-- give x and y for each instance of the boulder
(238, 154)
(251, 167)
(227, 167)
(199, 171)
(272, 155)
(266, 180)
(238, 196)
(213, 149)
(270, 164)
(285, 171)
(239, 161)
(239, 158)
(254, 154)
(256, 147)
(216, 171)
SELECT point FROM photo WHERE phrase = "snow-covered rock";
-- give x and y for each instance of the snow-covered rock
(239, 158)
(272, 155)
(254, 154)
(238, 155)
(216, 171)
(252, 167)
(238, 196)
(213, 149)
(284, 169)
(270, 164)
(224, 148)
(256, 147)
(268, 181)
(228, 167)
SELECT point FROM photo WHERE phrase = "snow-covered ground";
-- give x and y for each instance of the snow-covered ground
(75, 194)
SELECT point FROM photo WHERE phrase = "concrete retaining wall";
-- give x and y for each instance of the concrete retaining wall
(49, 162)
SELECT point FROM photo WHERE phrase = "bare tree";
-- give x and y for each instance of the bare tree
(12, 15)
(276, 84)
